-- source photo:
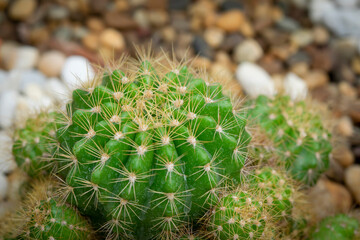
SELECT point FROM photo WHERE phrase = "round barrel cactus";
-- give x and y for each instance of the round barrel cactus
(297, 135)
(35, 144)
(336, 227)
(43, 216)
(148, 145)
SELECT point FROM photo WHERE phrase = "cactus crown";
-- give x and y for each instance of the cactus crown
(298, 136)
(148, 146)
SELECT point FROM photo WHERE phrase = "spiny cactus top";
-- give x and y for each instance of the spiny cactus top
(336, 227)
(34, 144)
(149, 147)
(298, 136)
(42, 216)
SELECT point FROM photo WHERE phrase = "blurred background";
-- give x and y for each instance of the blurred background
(48, 45)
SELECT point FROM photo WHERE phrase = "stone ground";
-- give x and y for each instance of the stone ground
(45, 44)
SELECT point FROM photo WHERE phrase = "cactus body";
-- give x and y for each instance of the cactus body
(148, 150)
(336, 227)
(298, 136)
(34, 145)
(42, 216)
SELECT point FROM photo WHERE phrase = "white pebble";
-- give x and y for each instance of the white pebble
(26, 57)
(31, 77)
(255, 80)
(8, 101)
(76, 70)
(295, 87)
(56, 89)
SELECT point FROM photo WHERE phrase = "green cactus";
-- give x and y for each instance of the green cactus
(240, 214)
(280, 191)
(42, 216)
(35, 144)
(297, 134)
(132, 140)
(338, 227)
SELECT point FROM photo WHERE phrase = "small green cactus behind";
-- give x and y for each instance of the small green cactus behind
(280, 191)
(338, 227)
(297, 134)
(35, 144)
(240, 214)
(149, 146)
(43, 217)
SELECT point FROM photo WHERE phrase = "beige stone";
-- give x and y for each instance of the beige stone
(316, 78)
(231, 21)
(352, 180)
(214, 36)
(329, 198)
(51, 63)
(22, 9)
(112, 39)
(91, 41)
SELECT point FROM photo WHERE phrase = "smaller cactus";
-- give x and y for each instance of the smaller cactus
(336, 227)
(240, 214)
(43, 217)
(298, 136)
(278, 189)
(35, 143)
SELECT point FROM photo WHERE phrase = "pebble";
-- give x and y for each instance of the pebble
(120, 21)
(112, 39)
(8, 101)
(26, 57)
(352, 180)
(347, 3)
(355, 65)
(202, 48)
(169, 34)
(51, 63)
(248, 51)
(55, 88)
(231, 5)
(57, 12)
(347, 90)
(31, 77)
(321, 35)
(91, 41)
(329, 198)
(3, 186)
(301, 69)
(7, 164)
(287, 24)
(22, 9)
(302, 38)
(231, 41)
(76, 70)
(255, 80)
(214, 36)
(95, 24)
(178, 5)
(345, 126)
(158, 18)
(343, 155)
(231, 21)
(316, 78)
(295, 87)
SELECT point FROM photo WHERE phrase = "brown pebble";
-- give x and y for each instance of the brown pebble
(91, 41)
(352, 180)
(321, 35)
(316, 78)
(231, 21)
(345, 126)
(95, 24)
(329, 198)
(343, 155)
(214, 36)
(112, 39)
(355, 64)
(347, 90)
(51, 63)
(22, 9)
(120, 21)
